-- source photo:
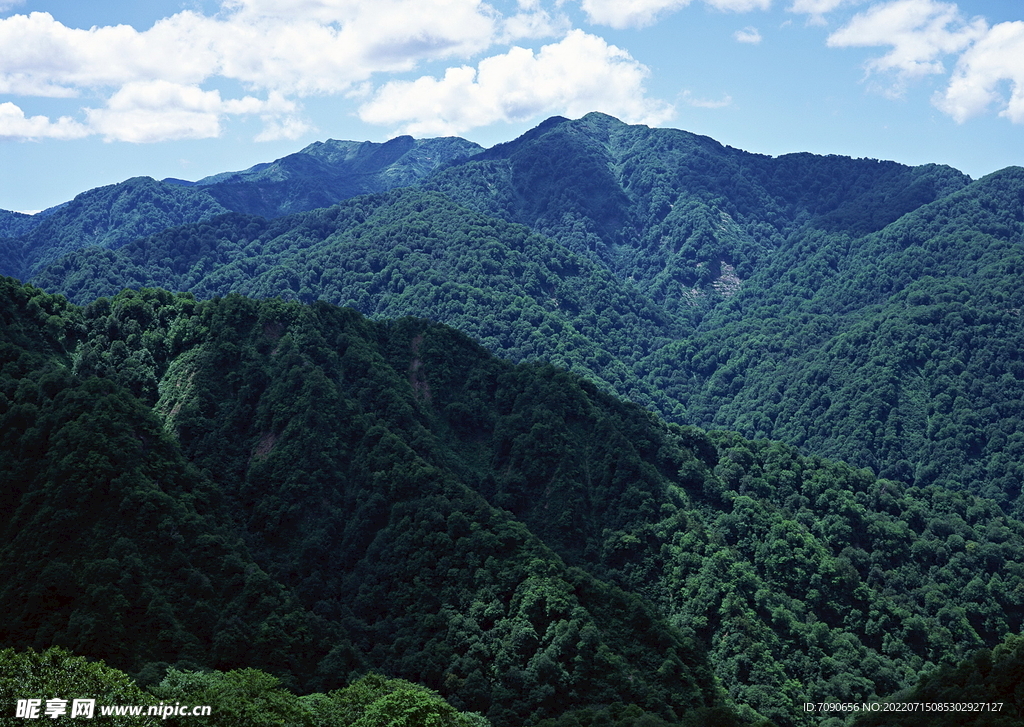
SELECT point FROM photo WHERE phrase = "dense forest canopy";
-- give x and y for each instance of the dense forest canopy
(831, 303)
(301, 490)
(718, 435)
(317, 176)
(237, 698)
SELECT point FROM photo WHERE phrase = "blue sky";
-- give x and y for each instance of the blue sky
(93, 93)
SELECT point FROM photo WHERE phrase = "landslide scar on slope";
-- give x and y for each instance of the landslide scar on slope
(418, 382)
(176, 389)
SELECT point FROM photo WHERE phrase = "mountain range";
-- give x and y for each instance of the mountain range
(716, 287)
(536, 540)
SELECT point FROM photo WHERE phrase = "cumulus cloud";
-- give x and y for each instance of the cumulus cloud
(628, 13)
(14, 124)
(995, 59)
(145, 111)
(578, 74)
(327, 11)
(287, 127)
(158, 111)
(42, 57)
(389, 26)
(533, 23)
(817, 8)
(920, 33)
(283, 47)
(749, 34)
(300, 54)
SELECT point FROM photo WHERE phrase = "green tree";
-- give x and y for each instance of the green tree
(238, 698)
(58, 674)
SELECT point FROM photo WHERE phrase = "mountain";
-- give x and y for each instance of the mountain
(295, 488)
(318, 176)
(326, 172)
(828, 302)
(106, 217)
(668, 209)
(13, 224)
(309, 492)
(521, 294)
(268, 485)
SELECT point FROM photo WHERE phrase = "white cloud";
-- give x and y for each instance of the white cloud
(445, 21)
(816, 9)
(995, 58)
(580, 73)
(748, 35)
(534, 23)
(923, 32)
(919, 31)
(290, 47)
(14, 124)
(42, 57)
(288, 127)
(327, 11)
(147, 111)
(323, 46)
(629, 13)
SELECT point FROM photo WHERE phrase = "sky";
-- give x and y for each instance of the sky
(93, 93)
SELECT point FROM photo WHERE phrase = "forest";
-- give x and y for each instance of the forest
(300, 490)
(819, 301)
(607, 425)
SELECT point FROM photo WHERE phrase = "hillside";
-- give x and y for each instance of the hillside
(326, 172)
(13, 224)
(667, 209)
(409, 251)
(302, 490)
(828, 302)
(850, 347)
(317, 176)
(104, 217)
(289, 504)
(822, 308)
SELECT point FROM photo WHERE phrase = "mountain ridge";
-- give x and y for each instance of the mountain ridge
(211, 483)
(709, 284)
(319, 175)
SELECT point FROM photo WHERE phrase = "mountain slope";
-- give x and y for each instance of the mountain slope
(508, 535)
(326, 172)
(850, 347)
(318, 176)
(391, 255)
(668, 209)
(717, 287)
(106, 217)
(257, 484)
(13, 224)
